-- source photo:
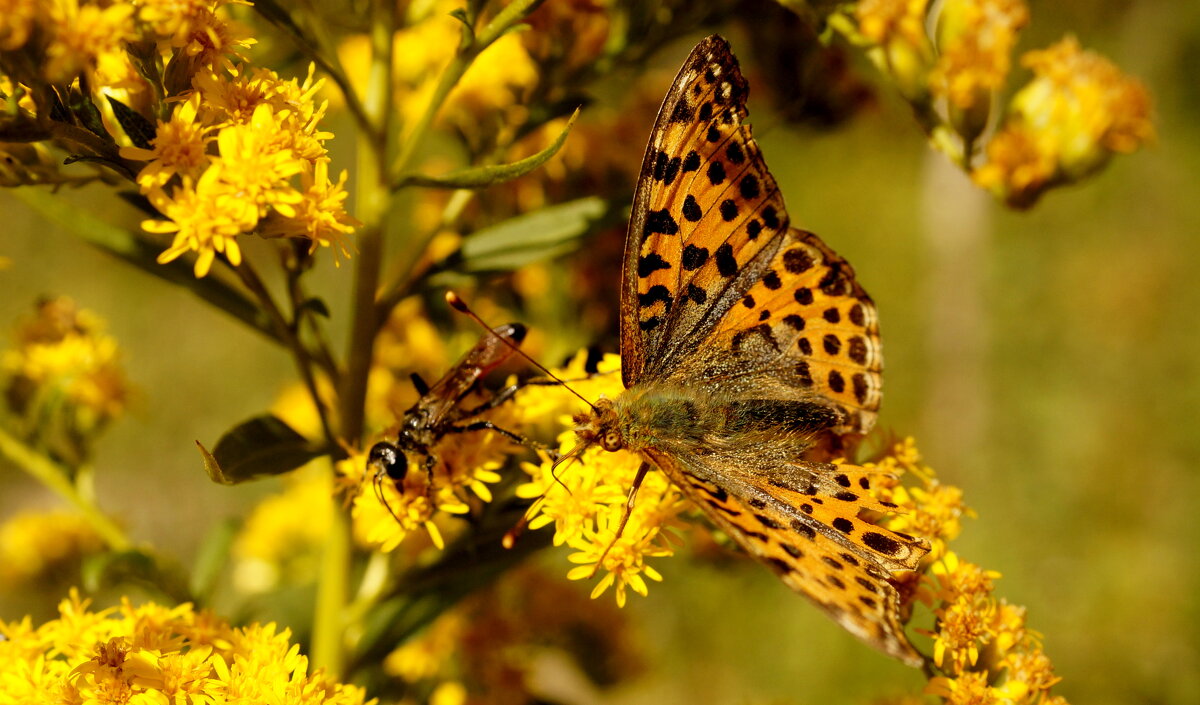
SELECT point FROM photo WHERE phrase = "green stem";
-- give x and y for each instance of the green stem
(288, 333)
(328, 618)
(56, 479)
(373, 201)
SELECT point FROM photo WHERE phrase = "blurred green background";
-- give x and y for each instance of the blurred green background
(1047, 362)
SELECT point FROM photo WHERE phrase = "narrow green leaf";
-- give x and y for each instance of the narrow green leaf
(140, 130)
(484, 176)
(260, 447)
(316, 305)
(536, 236)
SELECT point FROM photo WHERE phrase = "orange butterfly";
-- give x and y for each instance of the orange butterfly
(745, 343)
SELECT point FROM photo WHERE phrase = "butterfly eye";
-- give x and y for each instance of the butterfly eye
(387, 458)
(611, 441)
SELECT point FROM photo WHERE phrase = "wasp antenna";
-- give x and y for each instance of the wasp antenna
(456, 303)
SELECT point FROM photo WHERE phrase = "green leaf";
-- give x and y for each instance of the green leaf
(316, 305)
(260, 447)
(108, 569)
(536, 236)
(140, 130)
(134, 567)
(484, 176)
(212, 558)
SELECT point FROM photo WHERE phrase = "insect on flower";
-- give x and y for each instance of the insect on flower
(439, 412)
(745, 345)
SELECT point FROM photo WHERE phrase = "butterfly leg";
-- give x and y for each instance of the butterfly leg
(637, 482)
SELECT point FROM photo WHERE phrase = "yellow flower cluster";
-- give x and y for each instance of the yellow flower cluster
(152, 655)
(1067, 122)
(585, 497)
(65, 367)
(62, 40)
(227, 162)
(980, 643)
(35, 544)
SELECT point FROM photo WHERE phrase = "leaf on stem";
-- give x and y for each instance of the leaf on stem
(484, 176)
(532, 237)
(260, 447)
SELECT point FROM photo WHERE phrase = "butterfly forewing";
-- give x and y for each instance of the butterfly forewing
(707, 216)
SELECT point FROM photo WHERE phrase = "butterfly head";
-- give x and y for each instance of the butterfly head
(601, 426)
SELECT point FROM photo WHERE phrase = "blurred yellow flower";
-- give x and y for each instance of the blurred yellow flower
(17, 19)
(85, 37)
(1066, 123)
(280, 542)
(975, 39)
(155, 654)
(35, 544)
(64, 365)
(903, 50)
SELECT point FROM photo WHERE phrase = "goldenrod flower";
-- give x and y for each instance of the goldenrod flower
(196, 216)
(319, 216)
(903, 49)
(179, 148)
(85, 37)
(266, 133)
(1066, 123)
(35, 544)
(975, 40)
(155, 654)
(65, 365)
(932, 510)
(585, 498)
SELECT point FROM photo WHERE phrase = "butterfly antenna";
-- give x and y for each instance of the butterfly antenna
(459, 305)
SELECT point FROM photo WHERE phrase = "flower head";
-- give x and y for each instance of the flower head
(1066, 123)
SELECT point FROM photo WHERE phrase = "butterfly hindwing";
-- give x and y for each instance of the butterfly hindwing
(806, 324)
(707, 216)
(847, 579)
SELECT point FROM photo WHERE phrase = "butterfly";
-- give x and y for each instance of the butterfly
(745, 344)
(439, 412)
